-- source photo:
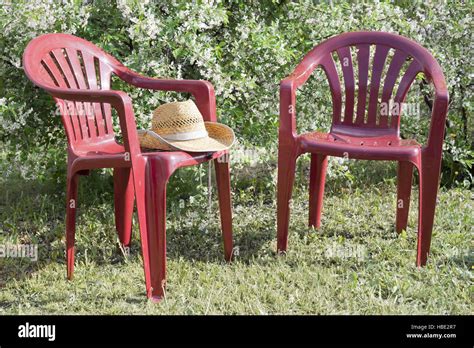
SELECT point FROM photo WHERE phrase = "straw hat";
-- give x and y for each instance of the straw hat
(180, 126)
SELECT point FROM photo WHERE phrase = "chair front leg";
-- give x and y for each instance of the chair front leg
(404, 177)
(222, 165)
(140, 174)
(286, 176)
(429, 182)
(155, 199)
(71, 207)
(123, 198)
(317, 180)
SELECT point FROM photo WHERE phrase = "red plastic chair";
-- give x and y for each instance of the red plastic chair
(77, 74)
(364, 132)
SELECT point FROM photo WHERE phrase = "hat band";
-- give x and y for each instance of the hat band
(185, 136)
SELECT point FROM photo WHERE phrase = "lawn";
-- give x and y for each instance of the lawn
(355, 264)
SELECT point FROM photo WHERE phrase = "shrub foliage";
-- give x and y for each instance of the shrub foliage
(243, 48)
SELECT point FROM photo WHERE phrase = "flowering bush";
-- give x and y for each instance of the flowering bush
(243, 48)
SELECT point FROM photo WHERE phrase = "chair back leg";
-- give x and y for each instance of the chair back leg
(123, 199)
(404, 177)
(317, 180)
(225, 203)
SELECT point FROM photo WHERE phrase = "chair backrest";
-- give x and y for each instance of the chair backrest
(65, 61)
(377, 72)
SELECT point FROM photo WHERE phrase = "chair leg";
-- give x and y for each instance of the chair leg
(286, 177)
(156, 223)
(141, 182)
(225, 204)
(404, 176)
(124, 198)
(316, 188)
(71, 206)
(429, 182)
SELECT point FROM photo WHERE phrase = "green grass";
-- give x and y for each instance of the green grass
(376, 275)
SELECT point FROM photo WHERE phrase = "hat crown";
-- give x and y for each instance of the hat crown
(180, 126)
(179, 119)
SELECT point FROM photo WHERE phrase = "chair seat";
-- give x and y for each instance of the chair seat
(182, 159)
(111, 147)
(384, 147)
(108, 147)
(110, 153)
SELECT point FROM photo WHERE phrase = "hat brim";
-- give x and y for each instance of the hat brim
(220, 137)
